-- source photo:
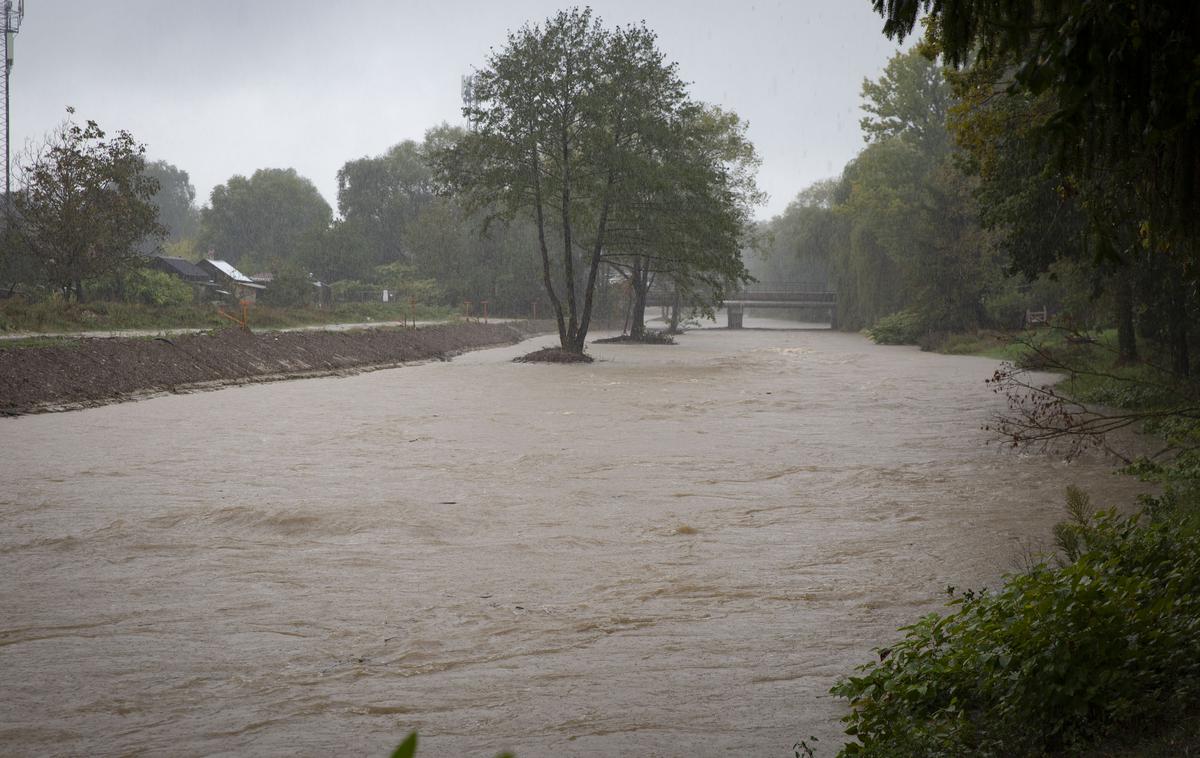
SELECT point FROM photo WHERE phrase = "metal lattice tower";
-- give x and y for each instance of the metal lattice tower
(13, 13)
(468, 98)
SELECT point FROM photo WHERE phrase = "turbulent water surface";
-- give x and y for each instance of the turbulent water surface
(672, 551)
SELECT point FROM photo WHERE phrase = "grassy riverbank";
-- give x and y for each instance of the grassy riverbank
(1096, 649)
(17, 315)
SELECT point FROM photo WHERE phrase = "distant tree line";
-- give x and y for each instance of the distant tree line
(899, 235)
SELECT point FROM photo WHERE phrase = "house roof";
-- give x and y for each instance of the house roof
(229, 271)
(184, 268)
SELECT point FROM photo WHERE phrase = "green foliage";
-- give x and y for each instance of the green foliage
(402, 282)
(909, 101)
(340, 251)
(689, 216)
(399, 279)
(901, 328)
(899, 231)
(1056, 658)
(156, 288)
(408, 748)
(383, 195)
(798, 244)
(265, 217)
(573, 124)
(84, 206)
(54, 315)
(290, 288)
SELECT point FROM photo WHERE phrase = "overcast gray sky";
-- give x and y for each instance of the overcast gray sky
(224, 87)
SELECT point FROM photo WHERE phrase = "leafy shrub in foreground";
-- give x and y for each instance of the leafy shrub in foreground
(1053, 660)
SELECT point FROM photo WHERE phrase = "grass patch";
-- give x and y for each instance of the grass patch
(35, 343)
(17, 315)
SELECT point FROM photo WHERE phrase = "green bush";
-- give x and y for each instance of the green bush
(900, 328)
(291, 288)
(157, 288)
(1055, 659)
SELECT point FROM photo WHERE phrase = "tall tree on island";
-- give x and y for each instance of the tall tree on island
(690, 216)
(563, 119)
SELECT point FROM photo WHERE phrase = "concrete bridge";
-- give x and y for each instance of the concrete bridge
(791, 295)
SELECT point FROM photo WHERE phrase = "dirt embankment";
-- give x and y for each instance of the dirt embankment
(88, 372)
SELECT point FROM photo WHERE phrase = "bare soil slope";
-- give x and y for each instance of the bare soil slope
(89, 372)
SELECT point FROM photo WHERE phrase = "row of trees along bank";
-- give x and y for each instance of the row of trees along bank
(89, 209)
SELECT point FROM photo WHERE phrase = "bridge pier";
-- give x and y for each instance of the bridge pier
(734, 315)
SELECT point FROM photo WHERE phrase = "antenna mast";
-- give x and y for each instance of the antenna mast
(468, 99)
(13, 14)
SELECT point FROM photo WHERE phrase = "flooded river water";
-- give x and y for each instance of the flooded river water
(673, 551)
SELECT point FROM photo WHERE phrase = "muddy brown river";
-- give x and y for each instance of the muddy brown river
(674, 551)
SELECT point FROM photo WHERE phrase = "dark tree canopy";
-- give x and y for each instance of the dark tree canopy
(383, 195)
(84, 206)
(1122, 76)
(263, 218)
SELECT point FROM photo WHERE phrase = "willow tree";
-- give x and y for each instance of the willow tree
(563, 119)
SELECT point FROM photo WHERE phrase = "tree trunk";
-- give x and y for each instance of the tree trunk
(572, 336)
(78, 287)
(676, 306)
(1177, 334)
(589, 290)
(547, 279)
(1126, 338)
(637, 326)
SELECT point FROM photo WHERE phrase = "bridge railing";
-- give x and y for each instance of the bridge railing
(797, 286)
(784, 296)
